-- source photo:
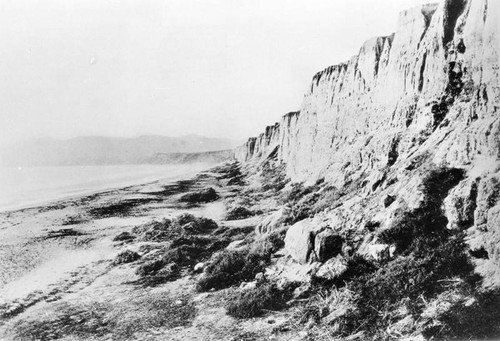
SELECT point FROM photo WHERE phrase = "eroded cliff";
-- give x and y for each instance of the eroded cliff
(406, 137)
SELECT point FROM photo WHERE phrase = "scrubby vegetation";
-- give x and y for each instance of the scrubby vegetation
(254, 302)
(239, 212)
(202, 196)
(431, 261)
(126, 256)
(190, 240)
(273, 177)
(119, 209)
(74, 220)
(62, 233)
(167, 230)
(305, 202)
(232, 267)
(123, 237)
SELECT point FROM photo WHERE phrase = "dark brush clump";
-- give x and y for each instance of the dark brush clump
(232, 267)
(203, 196)
(191, 240)
(126, 256)
(123, 237)
(62, 233)
(119, 209)
(238, 213)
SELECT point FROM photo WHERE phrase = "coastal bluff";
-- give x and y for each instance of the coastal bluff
(394, 157)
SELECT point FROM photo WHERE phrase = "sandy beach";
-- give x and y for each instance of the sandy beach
(60, 278)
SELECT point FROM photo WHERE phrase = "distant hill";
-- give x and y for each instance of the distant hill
(98, 150)
(211, 157)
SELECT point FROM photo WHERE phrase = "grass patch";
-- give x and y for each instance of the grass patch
(324, 302)
(119, 320)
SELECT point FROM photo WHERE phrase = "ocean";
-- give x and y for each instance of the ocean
(23, 187)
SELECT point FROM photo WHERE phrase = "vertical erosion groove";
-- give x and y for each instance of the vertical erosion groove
(452, 11)
(422, 70)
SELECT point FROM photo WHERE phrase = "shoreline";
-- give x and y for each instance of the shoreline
(74, 196)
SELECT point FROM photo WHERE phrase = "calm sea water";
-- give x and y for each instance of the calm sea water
(29, 186)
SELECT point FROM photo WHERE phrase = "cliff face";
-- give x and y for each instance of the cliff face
(427, 95)
(434, 80)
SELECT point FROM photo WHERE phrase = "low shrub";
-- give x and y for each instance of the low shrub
(150, 268)
(238, 213)
(269, 244)
(184, 255)
(254, 302)
(195, 225)
(123, 237)
(231, 267)
(224, 270)
(156, 231)
(203, 196)
(166, 230)
(126, 256)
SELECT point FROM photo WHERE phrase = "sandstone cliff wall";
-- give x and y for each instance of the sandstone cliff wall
(432, 83)
(428, 95)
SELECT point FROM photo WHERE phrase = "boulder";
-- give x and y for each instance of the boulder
(327, 244)
(299, 241)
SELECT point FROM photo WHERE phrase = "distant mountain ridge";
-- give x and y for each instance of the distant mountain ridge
(102, 150)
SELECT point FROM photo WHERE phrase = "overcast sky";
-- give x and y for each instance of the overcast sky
(221, 68)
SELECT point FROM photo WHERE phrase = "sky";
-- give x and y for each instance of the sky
(218, 68)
